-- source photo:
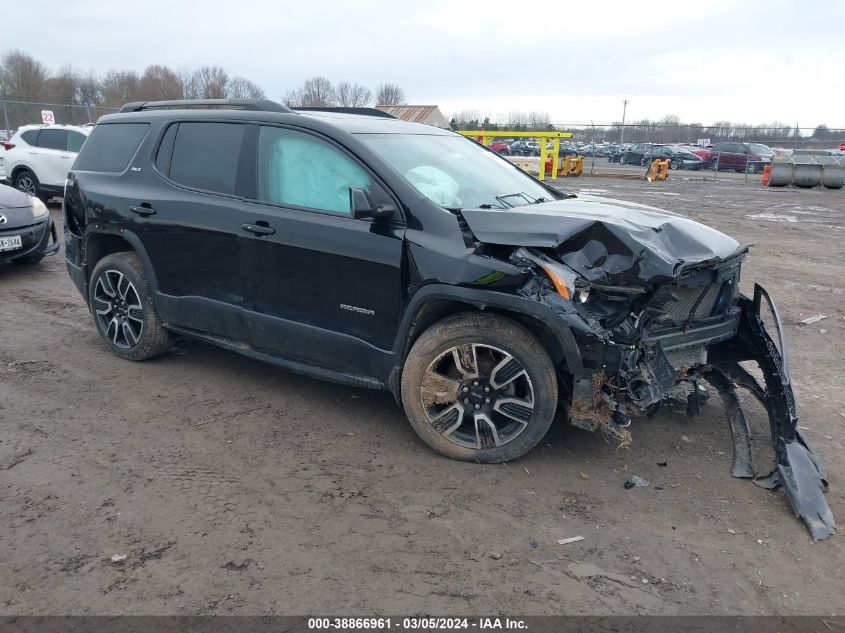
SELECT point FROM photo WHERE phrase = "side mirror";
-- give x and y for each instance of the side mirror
(363, 207)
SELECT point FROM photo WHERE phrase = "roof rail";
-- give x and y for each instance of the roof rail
(348, 110)
(263, 105)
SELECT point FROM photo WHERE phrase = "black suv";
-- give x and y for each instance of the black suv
(398, 256)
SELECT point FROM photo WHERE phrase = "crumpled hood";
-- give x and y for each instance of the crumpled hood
(605, 240)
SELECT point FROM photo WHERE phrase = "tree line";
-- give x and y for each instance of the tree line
(319, 92)
(27, 86)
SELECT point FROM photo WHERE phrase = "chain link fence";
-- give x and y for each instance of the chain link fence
(16, 113)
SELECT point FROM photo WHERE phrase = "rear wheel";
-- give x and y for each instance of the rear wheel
(674, 165)
(122, 304)
(479, 387)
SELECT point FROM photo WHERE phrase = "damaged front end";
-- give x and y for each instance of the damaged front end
(639, 343)
(798, 468)
(653, 301)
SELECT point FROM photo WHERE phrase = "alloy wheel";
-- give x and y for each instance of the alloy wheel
(477, 396)
(26, 184)
(118, 309)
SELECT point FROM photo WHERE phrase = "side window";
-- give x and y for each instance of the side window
(53, 139)
(74, 141)
(205, 156)
(30, 137)
(301, 170)
(110, 147)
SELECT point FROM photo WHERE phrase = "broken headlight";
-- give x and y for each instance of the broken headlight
(565, 280)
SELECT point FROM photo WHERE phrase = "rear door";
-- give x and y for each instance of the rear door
(52, 160)
(325, 287)
(191, 226)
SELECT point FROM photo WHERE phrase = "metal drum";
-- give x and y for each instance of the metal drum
(833, 172)
(781, 174)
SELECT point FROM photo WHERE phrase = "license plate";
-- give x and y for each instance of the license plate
(10, 243)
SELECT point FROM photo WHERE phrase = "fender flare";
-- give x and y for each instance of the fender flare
(133, 240)
(483, 299)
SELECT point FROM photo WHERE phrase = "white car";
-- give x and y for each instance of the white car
(39, 157)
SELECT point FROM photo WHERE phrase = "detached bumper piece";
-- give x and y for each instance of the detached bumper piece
(798, 469)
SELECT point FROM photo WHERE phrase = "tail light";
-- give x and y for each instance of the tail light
(7, 145)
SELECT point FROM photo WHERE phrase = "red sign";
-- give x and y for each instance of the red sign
(842, 147)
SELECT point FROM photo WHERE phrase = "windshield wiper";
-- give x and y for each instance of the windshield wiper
(503, 198)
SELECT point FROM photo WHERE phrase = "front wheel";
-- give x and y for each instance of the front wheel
(753, 168)
(122, 304)
(479, 387)
(27, 182)
(674, 165)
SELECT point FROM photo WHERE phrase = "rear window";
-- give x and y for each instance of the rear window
(205, 156)
(110, 147)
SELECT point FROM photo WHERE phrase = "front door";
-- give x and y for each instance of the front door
(325, 287)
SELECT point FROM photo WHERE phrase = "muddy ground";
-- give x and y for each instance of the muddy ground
(234, 487)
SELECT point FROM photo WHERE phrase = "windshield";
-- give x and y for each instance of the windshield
(455, 172)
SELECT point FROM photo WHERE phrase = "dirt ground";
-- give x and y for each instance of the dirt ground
(234, 487)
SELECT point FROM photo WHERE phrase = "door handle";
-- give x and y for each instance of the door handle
(142, 210)
(258, 229)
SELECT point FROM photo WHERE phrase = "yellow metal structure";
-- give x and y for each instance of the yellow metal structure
(484, 137)
(571, 166)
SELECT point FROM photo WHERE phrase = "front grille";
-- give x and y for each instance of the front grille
(685, 299)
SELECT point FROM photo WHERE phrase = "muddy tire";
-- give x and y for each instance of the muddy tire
(122, 304)
(479, 387)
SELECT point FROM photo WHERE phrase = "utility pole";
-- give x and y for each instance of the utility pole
(624, 109)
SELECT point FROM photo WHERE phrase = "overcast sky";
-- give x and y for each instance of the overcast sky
(703, 60)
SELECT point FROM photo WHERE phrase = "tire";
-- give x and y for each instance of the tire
(623, 160)
(511, 368)
(752, 168)
(27, 182)
(643, 162)
(147, 336)
(674, 165)
(504, 152)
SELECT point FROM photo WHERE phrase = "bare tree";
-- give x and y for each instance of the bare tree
(316, 92)
(22, 77)
(389, 94)
(119, 87)
(90, 89)
(538, 120)
(159, 83)
(242, 88)
(353, 95)
(188, 83)
(211, 82)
